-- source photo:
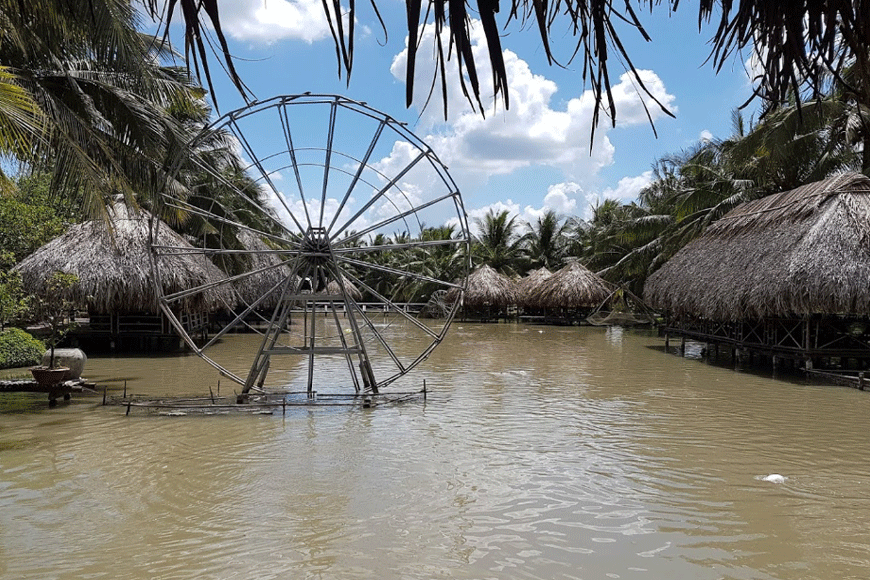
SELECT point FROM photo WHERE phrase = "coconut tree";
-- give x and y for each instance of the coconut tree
(97, 94)
(441, 262)
(21, 123)
(498, 242)
(546, 242)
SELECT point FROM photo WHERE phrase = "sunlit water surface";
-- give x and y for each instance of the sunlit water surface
(541, 452)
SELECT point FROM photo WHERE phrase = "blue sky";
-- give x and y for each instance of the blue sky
(532, 157)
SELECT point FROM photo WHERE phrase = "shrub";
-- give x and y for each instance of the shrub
(19, 349)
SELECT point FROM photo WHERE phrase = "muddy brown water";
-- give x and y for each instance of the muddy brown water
(540, 452)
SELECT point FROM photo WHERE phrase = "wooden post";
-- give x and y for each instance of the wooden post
(125, 389)
(683, 345)
(104, 395)
(861, 381)
(667, 341)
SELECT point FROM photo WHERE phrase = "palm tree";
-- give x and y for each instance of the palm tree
(694, 188)
(546, 242)
(21, 123)
(498, 244)
(791, 145)
(440, 262)
(94, 85)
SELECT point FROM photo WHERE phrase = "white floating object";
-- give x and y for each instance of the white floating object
(774, 478)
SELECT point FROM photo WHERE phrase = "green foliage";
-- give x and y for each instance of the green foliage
(546, 242)
(19, 349)
(13, 301)
(499, 244)
(24, 228)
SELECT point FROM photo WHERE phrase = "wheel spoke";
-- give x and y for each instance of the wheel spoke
(378, 195)
(363, 163)
(409, 245)
(328, 161)
(169, 298)
(233, 187)
(285, 124)
(392, 305)
(241, 316)
(396, 271)
(258, 164)
(395, 218)
(380, 339)
(210, 216)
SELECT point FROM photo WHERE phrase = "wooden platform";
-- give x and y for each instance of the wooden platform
(816, 342)
(63, 390)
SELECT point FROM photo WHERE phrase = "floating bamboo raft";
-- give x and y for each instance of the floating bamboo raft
(261, 403)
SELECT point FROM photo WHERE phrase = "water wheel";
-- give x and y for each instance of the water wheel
(328, 237)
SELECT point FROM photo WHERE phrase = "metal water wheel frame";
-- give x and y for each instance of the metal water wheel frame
(318, 257)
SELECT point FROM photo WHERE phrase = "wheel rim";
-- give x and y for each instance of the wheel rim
(326, 235)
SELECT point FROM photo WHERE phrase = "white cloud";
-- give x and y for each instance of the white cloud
(560, 197)
(626, 191)
(705, 136)
(267, 21)
(535, 131)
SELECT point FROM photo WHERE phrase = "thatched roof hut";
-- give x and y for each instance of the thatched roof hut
(486, 287)
(353, 292)
(114, 267)
(794, 253)
(529, 287)
(270, 272)
(572, 287)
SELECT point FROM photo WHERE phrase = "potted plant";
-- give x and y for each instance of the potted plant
(51, 307)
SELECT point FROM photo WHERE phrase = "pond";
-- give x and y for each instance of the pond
(540, 452)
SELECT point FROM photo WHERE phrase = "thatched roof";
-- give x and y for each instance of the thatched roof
(114, 267)
(486, 287)
(528, 287)
(251, 288)
(794, 253)
(574, 286)
(353, 292)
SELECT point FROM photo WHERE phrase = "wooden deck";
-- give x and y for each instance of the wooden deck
(62, 390)
(816, 342)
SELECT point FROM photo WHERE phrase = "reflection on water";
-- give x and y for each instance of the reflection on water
(541, 453)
